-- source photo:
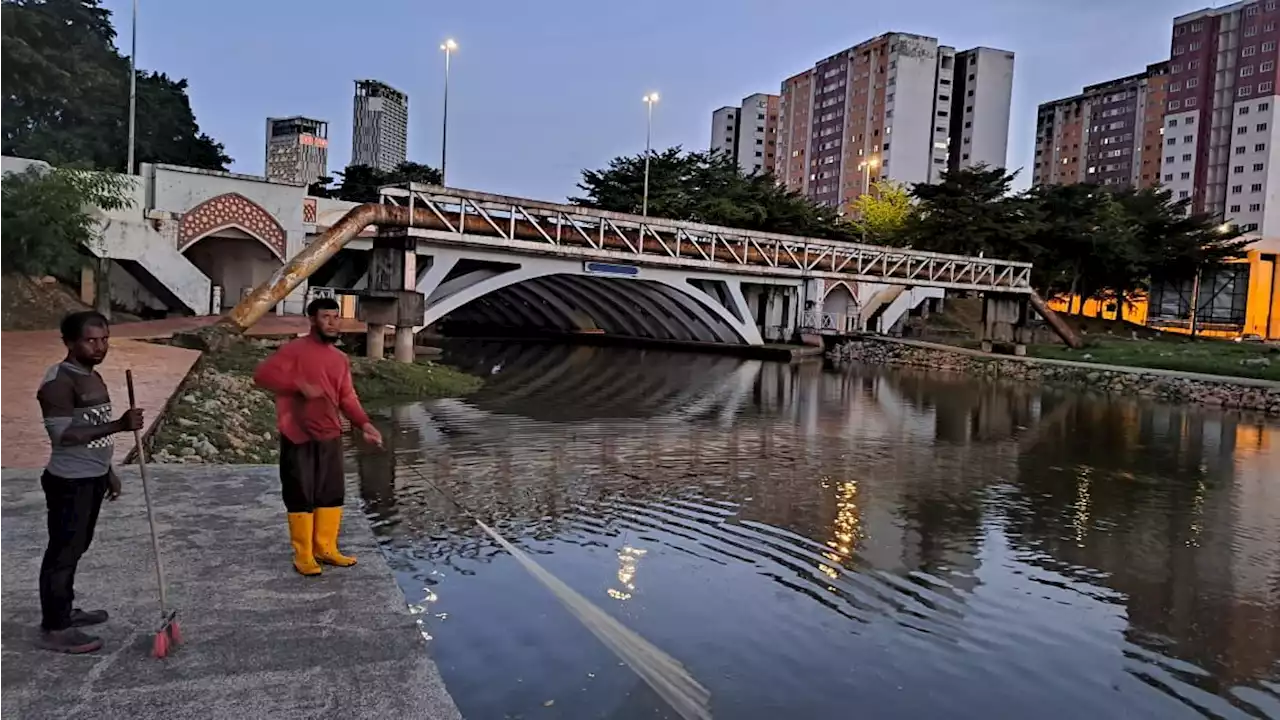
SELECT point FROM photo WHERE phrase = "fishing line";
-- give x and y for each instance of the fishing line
(668, 678)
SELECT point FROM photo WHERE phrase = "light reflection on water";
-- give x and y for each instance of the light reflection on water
(872, 543)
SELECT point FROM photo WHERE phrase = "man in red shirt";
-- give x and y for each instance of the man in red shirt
(311, 380)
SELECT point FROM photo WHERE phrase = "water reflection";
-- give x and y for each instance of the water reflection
(897, 544)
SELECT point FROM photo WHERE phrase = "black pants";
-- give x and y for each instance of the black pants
(73, 514)
(311, 474)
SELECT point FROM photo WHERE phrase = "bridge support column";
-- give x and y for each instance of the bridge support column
(1004, 322)
(391, 296)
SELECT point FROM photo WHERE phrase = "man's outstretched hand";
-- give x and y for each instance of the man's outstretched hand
(371, 435)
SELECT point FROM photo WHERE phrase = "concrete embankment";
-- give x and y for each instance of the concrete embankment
(261, 641)
(1167, 385)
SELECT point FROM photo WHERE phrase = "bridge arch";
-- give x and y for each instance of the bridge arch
(562, 299)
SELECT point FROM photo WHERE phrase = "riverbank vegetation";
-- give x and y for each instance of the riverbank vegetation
(219, 416)
(1214, 357)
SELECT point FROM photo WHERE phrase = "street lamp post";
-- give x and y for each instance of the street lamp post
(448, 46)
(865, 166)
(133, 89)
(649, 100)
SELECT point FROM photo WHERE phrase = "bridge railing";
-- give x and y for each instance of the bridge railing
(467, 216)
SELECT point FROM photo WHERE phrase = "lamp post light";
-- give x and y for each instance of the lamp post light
(133, 90)
(448, 46)
(649, 100)
(865, 166)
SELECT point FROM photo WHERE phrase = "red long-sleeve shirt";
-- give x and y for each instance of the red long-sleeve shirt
(310, 361)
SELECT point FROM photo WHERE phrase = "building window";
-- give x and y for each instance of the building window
(1266, 66)
(1183, 194)
(1250, 227)
(1179, 49)
(1264, 87)
(1188, 139)
(1170, 159)
(1196, 26)
(1185, 176)
(1255, 207)
(1251, 11)
(1175, 87)
(1192, 82)
(1195, 45)
(1237, 189)
(1268, 46)
(1244, 91)
(1171, 141)
(1173, 122)
(1190, 102)
(1242, 129)
(1238, 169)
(1175, 68)
(1186, 157)
(1251, 31)
(1257, 167)
(1256, 187)
(1235, 208)
(1240, 150)
(1193, 64)
(1246, 71)
(1244, 110)
(1260, 147)
(1189, 121)
(1175, 105)
(1262, 127)
(1271, 5)
(1263, 107)
(1269, 27)
(1251, 50)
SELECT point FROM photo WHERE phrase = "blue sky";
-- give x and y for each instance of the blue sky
(540, 90)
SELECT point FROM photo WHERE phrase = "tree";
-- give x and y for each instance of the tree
(360, 183)
(970, 212)
(66, 94)
(49, 216)
(882, 217)
(707, 187)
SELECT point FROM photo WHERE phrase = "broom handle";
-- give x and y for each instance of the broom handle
(146, 495)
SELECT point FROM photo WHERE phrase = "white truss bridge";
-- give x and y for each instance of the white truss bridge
(498, 222)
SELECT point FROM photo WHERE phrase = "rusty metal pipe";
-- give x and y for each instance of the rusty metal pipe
(1059, 325)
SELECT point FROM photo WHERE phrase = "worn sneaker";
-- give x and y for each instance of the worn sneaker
(71, 641)
(85, 618)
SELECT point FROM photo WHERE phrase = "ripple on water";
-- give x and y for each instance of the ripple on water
(887, 544)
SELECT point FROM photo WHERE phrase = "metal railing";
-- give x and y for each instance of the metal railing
(825, 322)
(518, 224)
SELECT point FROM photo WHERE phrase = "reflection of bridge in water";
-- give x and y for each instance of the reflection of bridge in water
(845, 486)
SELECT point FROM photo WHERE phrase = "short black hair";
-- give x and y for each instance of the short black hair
(73, 324)
(323, 303)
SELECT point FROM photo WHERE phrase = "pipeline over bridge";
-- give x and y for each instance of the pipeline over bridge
(567, 239)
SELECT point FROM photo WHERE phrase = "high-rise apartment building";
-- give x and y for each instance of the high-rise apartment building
(1109, 134)
(898, 107)
(380, 129)
(1222, 143)
(748, 132)
(297, 149)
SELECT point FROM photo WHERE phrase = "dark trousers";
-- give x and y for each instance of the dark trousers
(73, 514)
(311, 474)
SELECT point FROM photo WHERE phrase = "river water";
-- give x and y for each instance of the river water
(818, 543)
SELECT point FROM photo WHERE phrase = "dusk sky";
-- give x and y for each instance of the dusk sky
(541, 90)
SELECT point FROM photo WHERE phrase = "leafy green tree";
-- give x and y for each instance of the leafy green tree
(707, 187)
(51, 215)
(971, 212)
(360, 183)
(66, 93)
(882, 216)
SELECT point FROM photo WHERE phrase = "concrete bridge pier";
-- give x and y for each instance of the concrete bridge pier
(1004, 322)
(391, 296)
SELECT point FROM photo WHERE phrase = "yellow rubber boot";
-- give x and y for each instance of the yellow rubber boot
(301, 530)
(328, 521)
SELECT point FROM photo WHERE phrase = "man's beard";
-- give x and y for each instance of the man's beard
(327, 338)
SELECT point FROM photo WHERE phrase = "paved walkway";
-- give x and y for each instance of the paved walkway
(261, 641)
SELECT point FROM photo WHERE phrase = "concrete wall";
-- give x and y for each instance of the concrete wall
(236, 263)
(724, 130)
(987, 139)
(910, 127)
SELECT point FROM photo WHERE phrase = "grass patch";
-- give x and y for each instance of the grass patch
(1216, 357)
(220, 416)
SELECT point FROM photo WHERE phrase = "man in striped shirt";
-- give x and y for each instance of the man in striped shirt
(77, 415)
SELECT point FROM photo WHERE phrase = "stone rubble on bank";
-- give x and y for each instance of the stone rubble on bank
(1145, 384)
(220, 418)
